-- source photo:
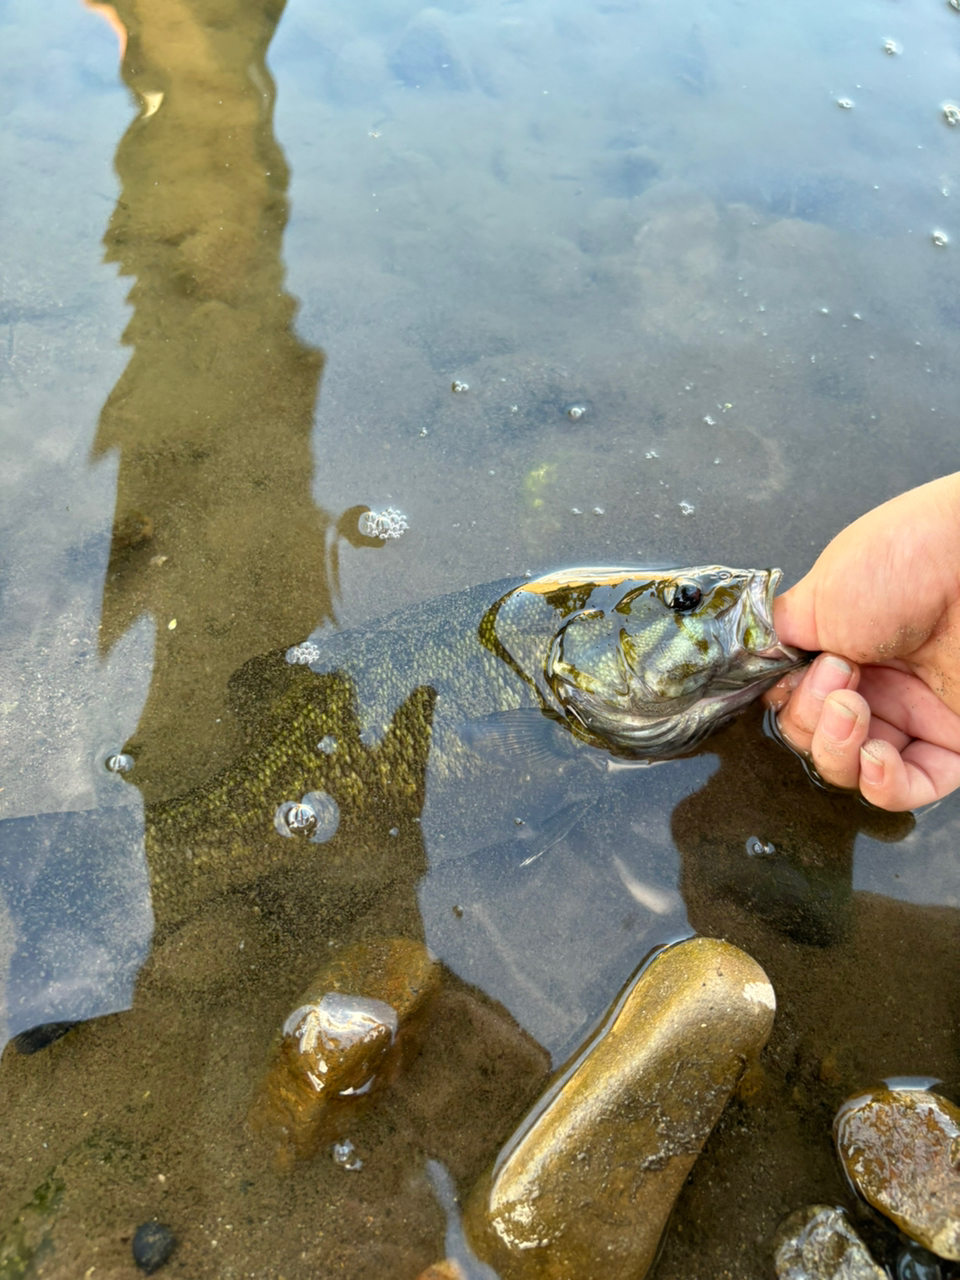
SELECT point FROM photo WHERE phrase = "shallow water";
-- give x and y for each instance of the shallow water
(243, 269)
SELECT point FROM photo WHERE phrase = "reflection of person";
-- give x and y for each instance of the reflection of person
(879, 710)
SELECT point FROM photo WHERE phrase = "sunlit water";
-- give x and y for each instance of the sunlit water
(534, 285)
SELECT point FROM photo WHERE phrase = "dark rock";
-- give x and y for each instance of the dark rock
(153, 1243)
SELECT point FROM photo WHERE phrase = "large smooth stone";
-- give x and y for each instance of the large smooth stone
(818, 1243)
(586, 1185)
(901, 1150)
(342, 1043)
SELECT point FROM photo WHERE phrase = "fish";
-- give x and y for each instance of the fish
(648, 663)
(477, 714)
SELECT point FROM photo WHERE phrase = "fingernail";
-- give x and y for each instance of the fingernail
(831, 673)
(871, 763)
(838, 721)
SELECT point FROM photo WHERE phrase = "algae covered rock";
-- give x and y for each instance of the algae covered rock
(901, 1150)
(818, 1243)
(587, 1183)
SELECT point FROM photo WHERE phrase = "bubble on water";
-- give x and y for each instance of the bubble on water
(687, 508)
(316, 817)
(458, 387)
(345, 1155)
(294, 818)
(326, 814)
(845, 103)
(119, 762)
(327, 744)
(939, 238)
(651, 453)
(711, 422)
(758, 848)
(890, 46)
(303, 654)
(824, 311)
(575, 411)
(951, 113)
(389, 523)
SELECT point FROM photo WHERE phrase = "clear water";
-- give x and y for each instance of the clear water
(242, 273)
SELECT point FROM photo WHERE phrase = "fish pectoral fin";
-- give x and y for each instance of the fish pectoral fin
(524, 735)
(552, 830)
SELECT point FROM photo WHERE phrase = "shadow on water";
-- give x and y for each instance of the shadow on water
(216, 534)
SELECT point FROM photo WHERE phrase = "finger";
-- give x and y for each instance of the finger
(779, 694)
(840, 733)
(799, 718)
(920, 775)
(902, 699)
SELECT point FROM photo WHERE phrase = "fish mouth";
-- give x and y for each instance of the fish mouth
(760, 592)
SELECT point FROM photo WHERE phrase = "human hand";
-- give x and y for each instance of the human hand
(879, 710)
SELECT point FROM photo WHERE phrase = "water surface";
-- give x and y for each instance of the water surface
(250, 249)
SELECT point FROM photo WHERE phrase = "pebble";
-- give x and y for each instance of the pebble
(818, 1243)
(153, 1243)
(901, 1150)
(587, 1183)
(341, 1043)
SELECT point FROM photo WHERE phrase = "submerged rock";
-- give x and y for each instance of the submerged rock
(342, 1043)
(818, 1243)
(901, 1150)
(587, 1183)
(152, 1245)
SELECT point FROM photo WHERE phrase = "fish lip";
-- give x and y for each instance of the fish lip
(762, 589)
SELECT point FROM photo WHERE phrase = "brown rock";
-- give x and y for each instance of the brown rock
(445, 1270)
(901, 1150)
(342, 1043)
(586, 1185)
(818, 1243)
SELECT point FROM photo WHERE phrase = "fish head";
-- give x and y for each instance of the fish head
(647, 662)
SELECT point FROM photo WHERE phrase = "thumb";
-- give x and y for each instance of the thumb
(794, 617)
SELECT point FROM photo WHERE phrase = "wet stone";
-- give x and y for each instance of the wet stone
(153, 1243)
(915, 1263)
(343, 1041)
(818, 1243)
(901, 1150)
(586, 1185)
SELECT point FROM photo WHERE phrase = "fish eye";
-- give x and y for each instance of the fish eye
(686, 597)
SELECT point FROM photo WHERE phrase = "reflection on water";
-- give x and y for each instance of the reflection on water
(213, 414)
(596, 284)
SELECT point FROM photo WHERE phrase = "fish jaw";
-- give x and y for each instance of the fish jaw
(761, 656)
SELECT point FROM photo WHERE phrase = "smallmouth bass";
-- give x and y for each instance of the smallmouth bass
(476, 708)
